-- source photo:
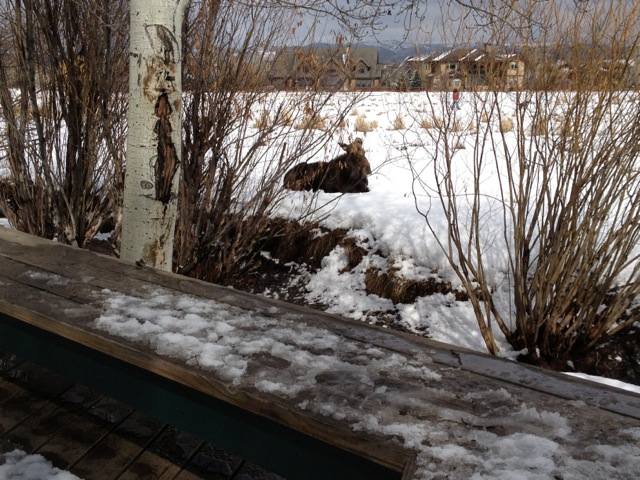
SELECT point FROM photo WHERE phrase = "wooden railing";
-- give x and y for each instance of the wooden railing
(307, 394)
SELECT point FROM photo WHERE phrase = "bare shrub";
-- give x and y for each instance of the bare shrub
(568, 200)
(540, 126)
(263, 121)
(62, 99)
(232, 174)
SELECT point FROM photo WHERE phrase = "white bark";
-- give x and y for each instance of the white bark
(154, 132)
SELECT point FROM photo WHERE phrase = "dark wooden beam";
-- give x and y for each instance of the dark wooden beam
(281, 449)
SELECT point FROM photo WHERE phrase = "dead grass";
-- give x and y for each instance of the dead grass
(540, 126)
(457, 126)
(292, 241)
(506, 125)
(427, 123)
(398, 123)
(263, 121)
(364, 126)
(312, 121)
(393, 287)
(307, 244)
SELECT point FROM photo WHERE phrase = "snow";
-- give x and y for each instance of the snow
(218, 337)
(17, 465)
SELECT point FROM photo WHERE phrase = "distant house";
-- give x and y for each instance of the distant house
(336, 67)
(470, 68)
(592, 68)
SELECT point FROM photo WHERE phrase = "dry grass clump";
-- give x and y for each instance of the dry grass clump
(284, 117)
(472, 126)
(399, 290)
(540, 126)
(262, 123)
(398, 123)
(457, 126)
(484, 118)
(459, 145)
(506, 125)
(364, 126)
(312, 121)
(309, 243)
(426, 123)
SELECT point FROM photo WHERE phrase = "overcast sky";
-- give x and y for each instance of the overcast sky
(397, 27)
(446, 21)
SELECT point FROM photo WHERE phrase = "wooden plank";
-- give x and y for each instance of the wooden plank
(249, 471)
(220, 423)
(112, 277)
(46, 422)
(357, 391)
(75, 328)
(211, 463)
(122, 447)
(70, 444)
(30, 389)
(164, 458)
(115, 452)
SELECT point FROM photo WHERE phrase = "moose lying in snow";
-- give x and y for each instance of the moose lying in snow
(345, 174)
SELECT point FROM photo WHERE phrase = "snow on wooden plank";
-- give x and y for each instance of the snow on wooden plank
(406, 403)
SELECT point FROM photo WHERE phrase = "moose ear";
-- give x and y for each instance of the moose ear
(344, 146)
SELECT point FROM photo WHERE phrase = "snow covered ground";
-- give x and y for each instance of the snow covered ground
(386, 220)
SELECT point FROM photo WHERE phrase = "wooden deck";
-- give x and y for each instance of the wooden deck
(97, 437)
(306, 394)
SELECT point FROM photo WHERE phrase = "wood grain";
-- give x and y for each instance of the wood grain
(63, 291)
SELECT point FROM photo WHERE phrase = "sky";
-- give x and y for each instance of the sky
(396, 25)
(386, 222)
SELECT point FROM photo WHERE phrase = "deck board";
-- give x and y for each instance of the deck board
(98, 438)
(70, 445)
(364, 390)
(40, 427)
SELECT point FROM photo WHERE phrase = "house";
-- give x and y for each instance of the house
(469, 68)
(327, 67)
(595, 67)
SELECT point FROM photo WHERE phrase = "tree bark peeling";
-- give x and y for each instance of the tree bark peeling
(167, 162)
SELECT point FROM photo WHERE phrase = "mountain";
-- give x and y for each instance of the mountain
(395, 53)
(390, 53)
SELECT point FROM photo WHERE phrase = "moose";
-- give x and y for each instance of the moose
(346, 173)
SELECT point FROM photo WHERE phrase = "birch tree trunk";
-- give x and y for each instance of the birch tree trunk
(154, 132)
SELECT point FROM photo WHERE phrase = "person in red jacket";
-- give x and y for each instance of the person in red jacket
(456, 99)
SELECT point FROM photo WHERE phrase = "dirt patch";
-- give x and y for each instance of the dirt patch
(305, 244)
(618, 358)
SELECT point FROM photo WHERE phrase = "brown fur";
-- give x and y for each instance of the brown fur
(346, 173)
